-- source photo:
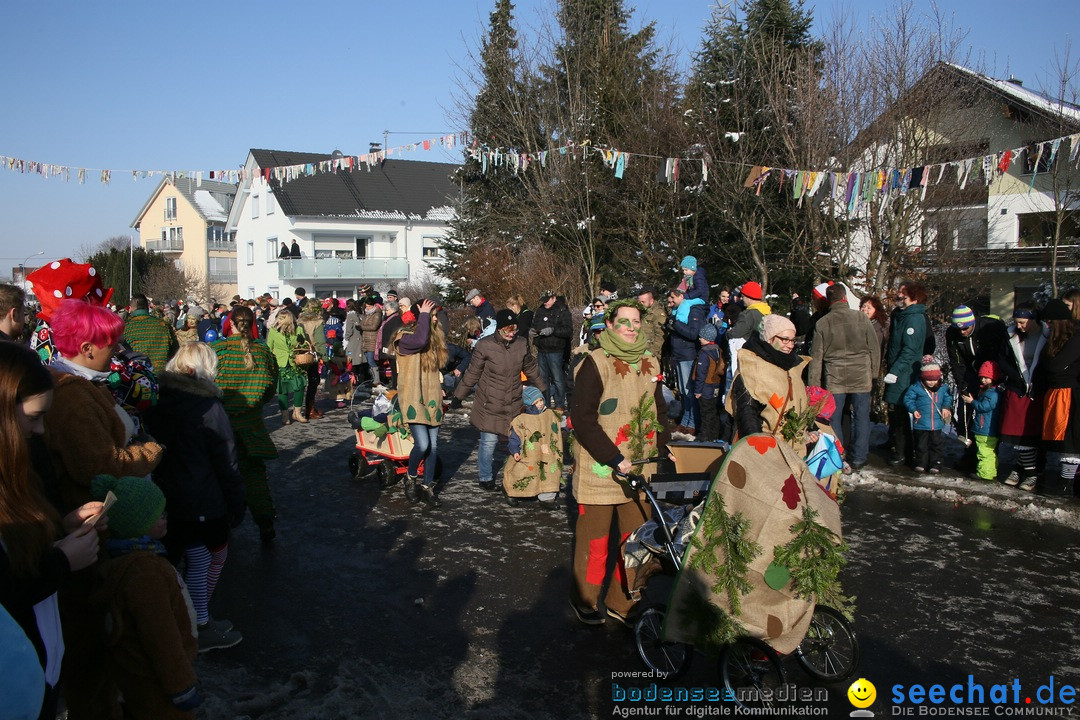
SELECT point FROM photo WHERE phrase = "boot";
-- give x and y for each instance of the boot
(266, 529)
(428, 497)
(286, 416)
(412, 488)
(312, 413)
(298, 416)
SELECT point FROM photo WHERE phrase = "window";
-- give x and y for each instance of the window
(343, 254)
(271, 203)
(323, 254)
(1038, 229)
(361, 247)
(222, 267)
(164, 236)
(176, 236)
(272, 249)
(215, 234)
(254, 206)
(251, 291)
(170, 208)
(431, 247)
(1031, 154)
(251, 252)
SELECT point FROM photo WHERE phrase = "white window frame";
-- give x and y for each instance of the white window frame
(270, 203)
(254, 207)
(272, 249)
(432, 243)
(170, 208)
(250, 252)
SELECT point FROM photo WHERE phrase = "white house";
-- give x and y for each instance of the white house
(381, 225)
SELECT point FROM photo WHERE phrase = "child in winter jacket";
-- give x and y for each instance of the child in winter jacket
(930, 403)
(534, 468)
(150, 624)
(987, 405)
(707, 380)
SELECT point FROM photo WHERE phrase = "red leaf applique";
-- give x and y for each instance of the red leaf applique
(791, 493)
(650, 435)
(621, 436)
(761, 443)
(776, 401)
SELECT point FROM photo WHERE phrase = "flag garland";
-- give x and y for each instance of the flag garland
(851, 190)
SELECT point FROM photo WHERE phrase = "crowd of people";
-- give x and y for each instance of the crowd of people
(114, 418)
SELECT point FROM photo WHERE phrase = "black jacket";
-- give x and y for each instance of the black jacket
(987, 342)
(198, 472)
(684, 335)
(557, 317)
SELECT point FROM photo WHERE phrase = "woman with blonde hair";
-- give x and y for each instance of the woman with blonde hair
(200, 478)
(34, 562)
(247, 375)
(420, 348)
(283, 340)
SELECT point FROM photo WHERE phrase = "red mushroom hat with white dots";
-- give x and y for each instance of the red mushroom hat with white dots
(66, 280)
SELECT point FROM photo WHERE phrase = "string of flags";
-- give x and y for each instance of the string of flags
(854, 189)
(282, 173)
(851, 189)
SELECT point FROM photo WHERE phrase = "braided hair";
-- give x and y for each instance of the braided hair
(242, 319)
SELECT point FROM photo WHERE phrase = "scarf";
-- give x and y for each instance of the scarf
(122, 546)
(767, 352)
(66, 366)
(682, 313)
(619, 349)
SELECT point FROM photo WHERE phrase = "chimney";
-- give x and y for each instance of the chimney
(1016, 81)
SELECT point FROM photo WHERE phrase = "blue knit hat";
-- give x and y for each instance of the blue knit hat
(689, 263)
(139, 504)
(707, 332)
(963, 317)
(597, 323)
(530, 395)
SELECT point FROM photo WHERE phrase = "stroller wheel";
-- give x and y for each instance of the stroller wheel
(751, 670)
(668, 660)
(387, 474)
(830, 650)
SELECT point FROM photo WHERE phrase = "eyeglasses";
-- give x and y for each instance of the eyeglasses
(785, 340)
(598, 305)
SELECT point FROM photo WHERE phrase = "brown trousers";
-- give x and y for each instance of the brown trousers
(592, 538)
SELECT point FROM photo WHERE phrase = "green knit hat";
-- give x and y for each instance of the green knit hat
(139, 504)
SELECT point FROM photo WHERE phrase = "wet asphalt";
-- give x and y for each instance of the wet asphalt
(369, 607)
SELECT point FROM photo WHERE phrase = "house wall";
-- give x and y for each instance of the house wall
(260, 272)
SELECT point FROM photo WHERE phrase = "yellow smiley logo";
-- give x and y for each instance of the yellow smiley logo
(862, 693)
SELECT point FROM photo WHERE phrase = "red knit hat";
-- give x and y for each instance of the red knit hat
(930, 369)
(752, 290)
(992, 370)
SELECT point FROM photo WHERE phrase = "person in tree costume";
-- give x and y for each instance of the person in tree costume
(248, 378)
(618, 413)
(420, 348)
(536, 449)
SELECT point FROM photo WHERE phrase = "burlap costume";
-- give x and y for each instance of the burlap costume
(779, 391)
(540, 467)
(766, 482)
(419, 392)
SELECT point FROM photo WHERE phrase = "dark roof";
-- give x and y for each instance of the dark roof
(394, 186)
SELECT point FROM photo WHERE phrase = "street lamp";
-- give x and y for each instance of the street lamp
(22, 265)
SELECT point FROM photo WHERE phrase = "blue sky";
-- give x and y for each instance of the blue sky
(148, 86)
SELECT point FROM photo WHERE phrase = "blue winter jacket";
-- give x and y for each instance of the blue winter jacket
(929, 405)
(701, 371)
(686, 321)
(987, 405)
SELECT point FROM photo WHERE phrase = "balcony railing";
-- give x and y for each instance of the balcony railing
(366, 269)
(1015, 259)
(222, 278)
(221, 245)
(165, 245)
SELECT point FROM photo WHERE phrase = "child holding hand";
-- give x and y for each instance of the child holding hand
(536, 449)
(987, 405)
(930, 403)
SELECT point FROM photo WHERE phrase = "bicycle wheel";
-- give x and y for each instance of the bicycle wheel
(668, 660)
(751, 670)
(830, 650)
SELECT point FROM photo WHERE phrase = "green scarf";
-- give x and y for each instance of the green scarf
(619, 349)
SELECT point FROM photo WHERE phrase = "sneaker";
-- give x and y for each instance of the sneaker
(592, 616)
(1013, 479)
(428, 497)
(217, 626)
(935, 470)
(211, 640)
(918, 468)
(627, 620)
(847, 470)
(552, 504)
(1028, 485)
(894, 461)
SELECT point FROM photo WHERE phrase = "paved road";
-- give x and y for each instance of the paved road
(367, 607)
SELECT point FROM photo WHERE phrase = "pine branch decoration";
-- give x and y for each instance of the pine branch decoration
(815, 557)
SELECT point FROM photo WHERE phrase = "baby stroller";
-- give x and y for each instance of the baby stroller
(748, 667)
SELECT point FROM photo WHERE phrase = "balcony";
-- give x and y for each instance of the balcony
(223, 245)
(358, 270)
(1014, 259)
(222, 278)
(165, 246)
